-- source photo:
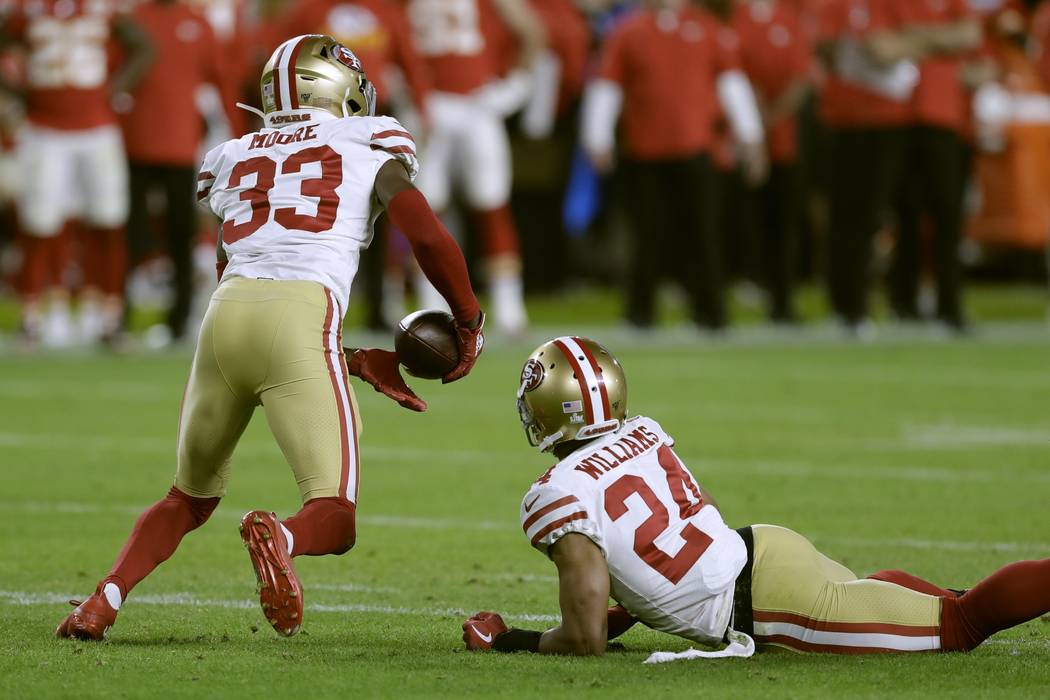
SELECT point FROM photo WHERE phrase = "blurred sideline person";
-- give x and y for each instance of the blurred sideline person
(187, 55)
(71, 156)
(945, 33)
(621, 516)
(467, 144)
(378, 32)
(297, 202)
(778, 60)
(664, 71)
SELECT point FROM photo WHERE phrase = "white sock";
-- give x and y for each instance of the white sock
(112, 594)
(288, 536)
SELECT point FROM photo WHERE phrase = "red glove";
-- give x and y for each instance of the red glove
(380, 369)
(481, 630)
(471, 342)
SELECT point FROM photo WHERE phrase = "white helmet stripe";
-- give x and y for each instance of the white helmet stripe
(590, 379)
(284, 73)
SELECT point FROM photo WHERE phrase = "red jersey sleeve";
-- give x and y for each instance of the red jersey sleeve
(12, 19)
(612, 63)
(727, 49)
(407, 57)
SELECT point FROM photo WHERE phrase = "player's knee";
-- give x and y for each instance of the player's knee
(200, 509)
(343, 523)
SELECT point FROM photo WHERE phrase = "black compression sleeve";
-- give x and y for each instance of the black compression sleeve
(517, 640)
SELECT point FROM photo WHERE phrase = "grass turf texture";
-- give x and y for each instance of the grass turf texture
(911, 453)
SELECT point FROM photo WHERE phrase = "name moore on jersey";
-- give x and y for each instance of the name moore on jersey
(298, 202)
(673, 562)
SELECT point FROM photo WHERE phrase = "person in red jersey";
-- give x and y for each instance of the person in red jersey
(777, 57)
(621, 516)
(946, 33)
(467, 144)
(163, 103)
(297, 201)
(71, 155)
(866, 104)
(667, 118)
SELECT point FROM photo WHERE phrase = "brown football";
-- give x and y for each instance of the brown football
(425, 343)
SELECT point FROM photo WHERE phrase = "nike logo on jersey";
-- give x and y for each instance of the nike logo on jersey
(528, 506)
(487, 638)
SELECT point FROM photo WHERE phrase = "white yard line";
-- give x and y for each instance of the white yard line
(422, 456)
(417, 523)
(190, 600)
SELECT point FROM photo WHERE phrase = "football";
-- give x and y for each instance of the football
(425, 343)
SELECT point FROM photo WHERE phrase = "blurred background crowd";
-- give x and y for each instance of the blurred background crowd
(704, 145)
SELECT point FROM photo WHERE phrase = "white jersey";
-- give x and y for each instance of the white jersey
(298, 202)
(673, 561)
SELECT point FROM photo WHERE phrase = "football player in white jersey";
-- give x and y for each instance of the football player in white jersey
(297, 201)
(621, 516)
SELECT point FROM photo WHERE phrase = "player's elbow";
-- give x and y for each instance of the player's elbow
(588, 646)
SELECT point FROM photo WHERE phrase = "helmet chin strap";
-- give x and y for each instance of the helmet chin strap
(253, 110)
(346, 96)
(549, 441)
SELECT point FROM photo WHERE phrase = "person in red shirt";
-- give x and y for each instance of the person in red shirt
(463, 44)
(72, 163)
(866, 106)
(777, 58)
(162, 134)
(945, 32)
(667, 114)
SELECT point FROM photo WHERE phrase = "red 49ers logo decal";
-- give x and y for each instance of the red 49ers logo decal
(347, 58)
(532, 374)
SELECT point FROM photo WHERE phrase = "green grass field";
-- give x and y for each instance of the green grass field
(910, 452)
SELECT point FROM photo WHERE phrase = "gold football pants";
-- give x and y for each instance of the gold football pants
(803, 600)
(277, 344)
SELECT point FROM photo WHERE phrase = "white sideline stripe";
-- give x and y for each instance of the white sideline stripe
(963, 437)
(353, 588)
(848, 639)
(700, 464)
(188, 599)
(512, 526)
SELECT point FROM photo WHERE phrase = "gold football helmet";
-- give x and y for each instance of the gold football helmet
(316, 71)
(571, 389)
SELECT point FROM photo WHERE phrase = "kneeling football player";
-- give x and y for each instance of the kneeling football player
(297, 202)
(621, 516)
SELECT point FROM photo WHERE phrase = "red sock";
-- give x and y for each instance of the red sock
(156, 535)
(903, 578)
(323, 526)
(1014, 594)
(498, 234)
(104, 252)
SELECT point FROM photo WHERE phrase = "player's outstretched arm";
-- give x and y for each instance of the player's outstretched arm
(583, 578)
(583, 584)
(139, 54)
(439, 257)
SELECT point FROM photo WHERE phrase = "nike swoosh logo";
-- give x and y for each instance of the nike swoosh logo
(487, 638)
(528, 506)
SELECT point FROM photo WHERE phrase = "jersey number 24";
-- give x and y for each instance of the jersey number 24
(678, 480)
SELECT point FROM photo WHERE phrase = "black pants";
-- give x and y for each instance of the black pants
(771, 214)
(671, 204)
(935, 182)
(866, 171)
(179, 185)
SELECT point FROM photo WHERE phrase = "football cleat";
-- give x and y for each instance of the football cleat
(90, 620)
(280, 592)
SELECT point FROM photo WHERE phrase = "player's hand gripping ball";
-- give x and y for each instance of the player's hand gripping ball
(427, 344)
(481, 630)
